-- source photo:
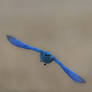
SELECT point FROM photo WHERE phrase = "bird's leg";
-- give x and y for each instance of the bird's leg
(44, 64)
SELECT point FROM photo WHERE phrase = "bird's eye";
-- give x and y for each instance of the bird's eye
(47, 55)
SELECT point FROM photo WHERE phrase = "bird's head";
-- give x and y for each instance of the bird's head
(46, 57)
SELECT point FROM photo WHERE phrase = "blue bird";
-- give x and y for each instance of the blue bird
(46, 57)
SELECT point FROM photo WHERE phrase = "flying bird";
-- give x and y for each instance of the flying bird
(46, 57)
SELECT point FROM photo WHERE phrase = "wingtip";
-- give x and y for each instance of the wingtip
(8, 37)
(82, 81)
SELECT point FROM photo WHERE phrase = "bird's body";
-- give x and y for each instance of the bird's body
(46, 57)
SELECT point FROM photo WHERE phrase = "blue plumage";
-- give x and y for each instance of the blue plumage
(47, 58)
(70, 73)
(20, 44)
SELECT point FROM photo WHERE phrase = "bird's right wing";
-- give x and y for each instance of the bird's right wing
(70, 73)
(21, 44)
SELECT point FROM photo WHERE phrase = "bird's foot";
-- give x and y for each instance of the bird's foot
(44, 64)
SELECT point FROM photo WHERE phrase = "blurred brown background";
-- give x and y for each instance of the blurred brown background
(63, 27)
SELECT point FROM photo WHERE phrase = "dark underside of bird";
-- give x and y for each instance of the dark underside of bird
(46, 57)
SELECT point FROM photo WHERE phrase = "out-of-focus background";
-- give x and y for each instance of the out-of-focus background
(63, 27)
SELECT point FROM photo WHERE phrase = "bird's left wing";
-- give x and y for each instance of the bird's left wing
(21, 44)
(70, 73)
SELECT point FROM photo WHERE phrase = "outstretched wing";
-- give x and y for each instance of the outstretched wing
(20, 44)
(70, 73)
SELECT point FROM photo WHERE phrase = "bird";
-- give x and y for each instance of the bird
(46, 57)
